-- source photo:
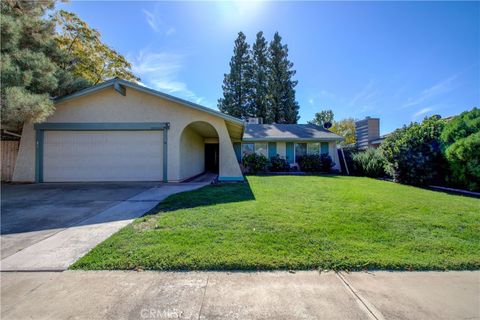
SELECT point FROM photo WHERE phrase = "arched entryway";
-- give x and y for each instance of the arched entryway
(199, 149)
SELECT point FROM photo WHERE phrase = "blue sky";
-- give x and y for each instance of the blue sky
(398, 61)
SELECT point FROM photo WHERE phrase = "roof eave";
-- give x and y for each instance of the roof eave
(115, 82)
(293, 139)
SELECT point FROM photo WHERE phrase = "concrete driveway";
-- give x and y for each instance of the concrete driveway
(49, 226)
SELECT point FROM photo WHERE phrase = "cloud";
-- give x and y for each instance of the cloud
(156, 23)
(438, 89)
(421, 112)
(161, 71)
(365, 96)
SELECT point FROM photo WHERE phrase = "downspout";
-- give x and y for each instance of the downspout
(344, 161)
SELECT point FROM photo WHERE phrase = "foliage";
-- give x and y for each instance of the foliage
(315, 163)
(283, 106)
(260, 70)
(32, 69)
(413, 153)
(278, 164)
(254, 163)
(299, 222)
(326, 163)
(369, 163)
(260, 82)
(322, 117)
(346, 129)
(94, 60)
(461, 139)
(237, 85)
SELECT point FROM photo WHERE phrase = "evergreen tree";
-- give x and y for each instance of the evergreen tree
(237, 85)
(283, 106)
(30, 72)
(260, 69)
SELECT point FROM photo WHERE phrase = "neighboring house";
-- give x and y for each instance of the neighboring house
(121, 131)
(289, 141)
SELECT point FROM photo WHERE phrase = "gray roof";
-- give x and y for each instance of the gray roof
(288, 132)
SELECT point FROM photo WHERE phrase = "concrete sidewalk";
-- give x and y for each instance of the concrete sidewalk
(239, 295)
(59, 248)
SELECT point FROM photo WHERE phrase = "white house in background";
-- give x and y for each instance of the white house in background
(121, 131)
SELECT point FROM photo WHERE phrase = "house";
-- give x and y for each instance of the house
(122, 131)
(289, 141)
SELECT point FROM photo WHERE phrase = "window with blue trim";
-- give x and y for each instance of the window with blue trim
(247, 148)
(313, 148)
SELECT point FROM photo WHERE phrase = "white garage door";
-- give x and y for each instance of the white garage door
(102, 156)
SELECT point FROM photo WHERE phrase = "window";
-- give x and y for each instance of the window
(300, 150)
(247, 148)
(324, 148)
(313, 148)
(261, 148)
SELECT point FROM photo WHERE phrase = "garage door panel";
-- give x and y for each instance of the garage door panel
(103, 156)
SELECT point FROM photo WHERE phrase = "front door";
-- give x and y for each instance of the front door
(211, 157)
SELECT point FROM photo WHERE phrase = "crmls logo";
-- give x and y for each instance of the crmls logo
(151, 313)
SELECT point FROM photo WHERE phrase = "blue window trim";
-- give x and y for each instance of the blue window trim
(290, 152)
(231, 178)
(40, 129)
(272, 149)
(324, 148)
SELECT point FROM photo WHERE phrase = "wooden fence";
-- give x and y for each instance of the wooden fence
(9, 156)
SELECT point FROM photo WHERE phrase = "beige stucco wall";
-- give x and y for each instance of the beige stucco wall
(109, 106)
(192, 154)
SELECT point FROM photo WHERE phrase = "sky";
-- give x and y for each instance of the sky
(399, 61)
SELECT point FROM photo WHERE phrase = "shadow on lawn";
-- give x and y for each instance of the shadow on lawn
(206, 196)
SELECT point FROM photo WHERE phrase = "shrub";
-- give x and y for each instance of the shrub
(254, 163)
(326, 163)
(370, 163)
(278, 164)
(315, 163)
(413, 153)
(461, 142)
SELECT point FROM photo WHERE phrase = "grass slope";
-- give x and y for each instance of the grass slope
(299, 222)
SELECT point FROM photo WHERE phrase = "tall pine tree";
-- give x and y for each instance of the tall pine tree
(283, 106)
(237, 85)
(260, 69)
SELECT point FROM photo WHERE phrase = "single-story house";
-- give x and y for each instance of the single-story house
(122, 131)
(289, 141)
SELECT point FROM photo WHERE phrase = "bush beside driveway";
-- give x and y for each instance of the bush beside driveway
(292, 222)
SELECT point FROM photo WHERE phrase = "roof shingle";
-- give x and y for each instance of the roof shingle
(288, 132)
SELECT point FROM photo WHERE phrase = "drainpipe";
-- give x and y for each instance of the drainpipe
(344, 161)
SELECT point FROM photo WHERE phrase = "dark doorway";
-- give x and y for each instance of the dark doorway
(211, 157)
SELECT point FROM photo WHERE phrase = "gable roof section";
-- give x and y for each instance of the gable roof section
(288, 132)
(120, 84)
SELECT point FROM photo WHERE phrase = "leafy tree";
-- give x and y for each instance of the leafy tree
(31, 60)
(322, 117)
(237, 85)
(283, 106)
(260, 71)
(94, 60)
(461, 140)
(413, 153)
(345, 128)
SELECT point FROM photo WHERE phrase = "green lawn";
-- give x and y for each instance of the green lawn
(299, 222)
